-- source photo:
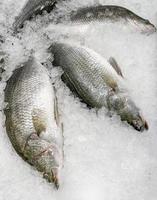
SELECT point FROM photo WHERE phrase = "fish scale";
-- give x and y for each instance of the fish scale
(109, 14)
(90, 76)
(31, 8)
(87, 74)
(96, 82)
(30, 119)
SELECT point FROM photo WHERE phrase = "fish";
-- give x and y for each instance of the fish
(33, 121)
(113, 14)
(96, 82)
(31, 8)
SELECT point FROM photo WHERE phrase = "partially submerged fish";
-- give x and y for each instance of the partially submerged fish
(111, 13)
(32, 119)
(31, 8)
(96, 82)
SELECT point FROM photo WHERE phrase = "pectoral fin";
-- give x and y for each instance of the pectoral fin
(38, 118)
(66, 79)
(115, 65)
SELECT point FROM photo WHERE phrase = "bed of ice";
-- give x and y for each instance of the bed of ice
(105, 159)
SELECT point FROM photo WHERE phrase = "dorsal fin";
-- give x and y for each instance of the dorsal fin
(115, 65)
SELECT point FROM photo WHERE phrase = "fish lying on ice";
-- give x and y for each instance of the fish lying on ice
(111, 13)
(32, 119)
(32, 7)
(96, 82)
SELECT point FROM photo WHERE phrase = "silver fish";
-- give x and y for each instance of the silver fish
(32, 7)
(111, 13)
(96, 82)
(32, 119)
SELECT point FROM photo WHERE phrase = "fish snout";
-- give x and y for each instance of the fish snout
(55, 177)
(140, 124)
(149, 28)
(152, 29)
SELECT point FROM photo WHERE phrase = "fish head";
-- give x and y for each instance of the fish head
(127, 110)
(53, 159)
(150, 28)
(146, 27)
(132, 115)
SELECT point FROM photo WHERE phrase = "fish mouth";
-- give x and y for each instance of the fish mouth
(145, 27)
(150, 29)
(55, 178)
(140, 125)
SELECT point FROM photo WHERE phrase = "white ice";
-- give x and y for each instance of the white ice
(105, 159)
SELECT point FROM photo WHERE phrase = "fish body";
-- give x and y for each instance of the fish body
(96, 82)
(31, 119)
(31, 8)
(111, 13)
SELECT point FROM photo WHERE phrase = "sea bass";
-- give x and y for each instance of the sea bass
(32, 119)
(111, 13)
(97, 82)
(32, 7)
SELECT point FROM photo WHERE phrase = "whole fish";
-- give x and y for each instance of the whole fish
(97, 82)
(111, 13)
(32, 119)
(31, 8)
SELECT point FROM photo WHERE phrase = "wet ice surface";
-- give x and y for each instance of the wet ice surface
(104, 158)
